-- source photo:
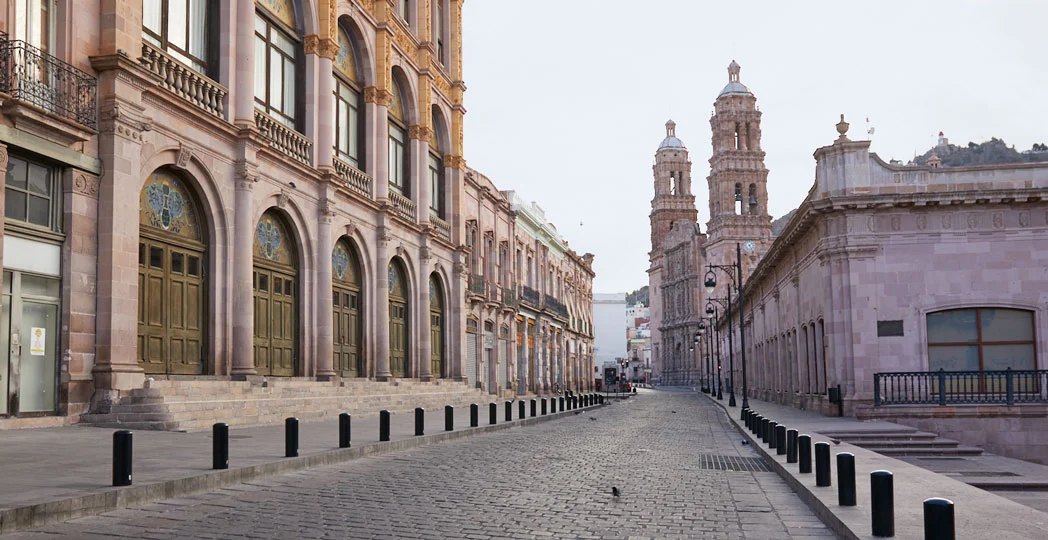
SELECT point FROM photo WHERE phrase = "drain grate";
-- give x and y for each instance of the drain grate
(732, 463)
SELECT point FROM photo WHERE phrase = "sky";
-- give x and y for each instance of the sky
(567, 100)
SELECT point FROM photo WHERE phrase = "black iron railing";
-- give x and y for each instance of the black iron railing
(477, 285)
(556, 307)
(32, 76)
(960, 387)
(531, 296)
(509, 297)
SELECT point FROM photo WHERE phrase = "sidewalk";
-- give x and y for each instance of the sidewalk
(55, 474)
(979, 514)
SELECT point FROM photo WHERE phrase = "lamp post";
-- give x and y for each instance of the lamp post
(734, 272)
(712, 311)
(702, 329)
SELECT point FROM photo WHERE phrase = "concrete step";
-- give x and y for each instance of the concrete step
(934, 443)
(930, 452)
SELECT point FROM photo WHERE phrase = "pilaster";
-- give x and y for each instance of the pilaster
(243, 266)
(325, 317)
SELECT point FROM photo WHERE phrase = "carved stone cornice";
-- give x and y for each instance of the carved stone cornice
(455, 162)
(378, 96)
(246, 174)
(322, 47)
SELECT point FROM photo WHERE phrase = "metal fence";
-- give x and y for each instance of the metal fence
(960, 387)
(32, 76)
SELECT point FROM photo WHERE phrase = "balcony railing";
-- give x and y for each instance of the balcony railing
(960, 387)
(185, 81)
(32, 76)
(404, 206)
(509, 297)
(478, 285)
(556, 307)
(283, 138)
(531, 297)
(443, 228)
(354, 178)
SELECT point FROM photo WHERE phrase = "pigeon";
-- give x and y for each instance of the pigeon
(593, 418)
(674, 412)
(614, 491)
(836, 441)
(578, 412)
(745, 442)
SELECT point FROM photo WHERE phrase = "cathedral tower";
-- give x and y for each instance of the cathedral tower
(738, 180)
(673, 199)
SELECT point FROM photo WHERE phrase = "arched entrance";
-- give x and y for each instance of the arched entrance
(275, 282)
(346, 305)
(398, 320)
(436, 328)
(172, 290)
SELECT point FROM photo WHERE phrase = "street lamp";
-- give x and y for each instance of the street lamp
(734, 272)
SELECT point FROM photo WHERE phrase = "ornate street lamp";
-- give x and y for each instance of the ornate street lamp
(734, 272)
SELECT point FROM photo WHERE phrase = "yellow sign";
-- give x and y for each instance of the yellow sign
(36, 341)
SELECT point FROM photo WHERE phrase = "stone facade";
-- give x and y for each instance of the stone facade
(312, 226)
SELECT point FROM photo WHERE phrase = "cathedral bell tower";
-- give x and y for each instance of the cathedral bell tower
(673, 199)
(738, 180)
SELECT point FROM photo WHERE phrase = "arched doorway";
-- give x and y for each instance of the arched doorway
(172, 290)
(275, 282)
(436, 328)
(398, 320)
(346, 305)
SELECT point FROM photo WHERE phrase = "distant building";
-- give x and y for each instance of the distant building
(609, 328)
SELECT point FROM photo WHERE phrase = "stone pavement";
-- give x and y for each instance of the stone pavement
(551, 479)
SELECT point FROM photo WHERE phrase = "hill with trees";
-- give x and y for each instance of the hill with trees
(993, 151)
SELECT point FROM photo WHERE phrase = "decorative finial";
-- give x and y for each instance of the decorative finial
(671, 128)
(842, 128)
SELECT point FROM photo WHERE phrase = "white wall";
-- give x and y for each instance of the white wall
(609, 327)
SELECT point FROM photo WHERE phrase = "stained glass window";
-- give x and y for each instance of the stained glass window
(166, 205)
(272, 241)
(344, 263)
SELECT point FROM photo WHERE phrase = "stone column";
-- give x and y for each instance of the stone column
(425, 344)
(243, 266)
(325, 113)
(420, 136)
(325, 318)
(381, 311)
(243, 88)
(79, 265)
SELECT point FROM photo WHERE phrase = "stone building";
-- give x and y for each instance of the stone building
(287, 179)
(680, 251)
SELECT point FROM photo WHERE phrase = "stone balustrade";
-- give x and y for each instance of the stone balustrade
(355, 179)
(185, 81)
(283, 138)
(404, 206)
(443, 228)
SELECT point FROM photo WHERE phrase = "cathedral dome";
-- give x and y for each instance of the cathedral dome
(671, 140)
(734, 87)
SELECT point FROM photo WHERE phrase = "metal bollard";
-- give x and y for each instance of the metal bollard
(764, 429)
(552, 405)
(772, 427)
(291, 437)
(791, 446)
(780, 440)
(846, 479)
(746, 417)
(420, 421)
(383, 426)
(521, 413)
(882, 503)
(544, 407)
(534, 406)
(938, 519)
(822, 464)
(220, 446)
(804, 453)
(493, 413)
(344, 430)
(509, 411)
(758, 421)
(474, 415)
(449, 418)
(562, 404)
(122, 458)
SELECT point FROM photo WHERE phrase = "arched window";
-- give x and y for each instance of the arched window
(399, 152)
(436, 167)
(276, 55)
(349, 120)
(181, 29)
(982, 338)
(738, 199)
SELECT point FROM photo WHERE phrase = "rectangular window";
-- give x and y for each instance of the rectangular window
(438, 28)
(180, 28)
(989, 339)
(274, 72)
(397, 159)
(347, 123)
(436, 186)
(32, 194)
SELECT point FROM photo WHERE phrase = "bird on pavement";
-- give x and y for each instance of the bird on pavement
(745, 442)
(593, 418)
(836, 441)
(674, 412)
(614, 491)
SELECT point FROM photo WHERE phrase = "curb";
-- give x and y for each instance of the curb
(41, 514)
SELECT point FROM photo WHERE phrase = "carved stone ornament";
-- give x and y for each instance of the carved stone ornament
(922, 222)
(421, 133)
(459, 269)
(378, 96)
(115, 120)
(283, 198)
(3, 157)
(973, 220)
(947, 221)
(896, 223)
(871, 222)
(184, 155)
(424, 253)
(310, 43)
(1024, 218)
(455, 162)
(998, 220)
(86, 185)
(401, 251)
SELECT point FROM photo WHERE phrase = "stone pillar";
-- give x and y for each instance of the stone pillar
(243, 266)
(382, 371)
(420, 136)
(325, 319)
(243, 90)
(79, 266)
(378, 101)
(425, 341)
(325, 97)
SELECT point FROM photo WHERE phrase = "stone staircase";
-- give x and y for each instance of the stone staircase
(905, 442)
(197, 404)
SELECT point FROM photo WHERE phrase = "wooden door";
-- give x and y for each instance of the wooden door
(398, 338)
(346, 320)
(275, 327)
(436, 340)
(171, 304)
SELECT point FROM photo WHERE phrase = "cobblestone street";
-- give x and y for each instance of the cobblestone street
(550, 480)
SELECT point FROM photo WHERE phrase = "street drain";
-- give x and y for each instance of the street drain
(732, 463)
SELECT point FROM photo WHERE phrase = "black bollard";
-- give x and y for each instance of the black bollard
(544, 407)
(822, 464)
(509, 411)
(764, 429)
(493, 413)
(780, 440)
(756, 424)
(772, 428)
(534, 407)
(291, 437)
(846, 479)
(383, 426)
(791, 446)
(562, 404)
(882, 503)
(122, 458)
(220, 446)
(344, 430)
(938, 519)
(552, 405)
(449, 418)
(746, 417)
(474, 415)
(420, 421)
(521, 413)
(804, 453)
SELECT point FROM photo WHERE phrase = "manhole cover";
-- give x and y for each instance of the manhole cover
(732, 463)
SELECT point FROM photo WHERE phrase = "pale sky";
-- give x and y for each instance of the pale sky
(567, 99)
